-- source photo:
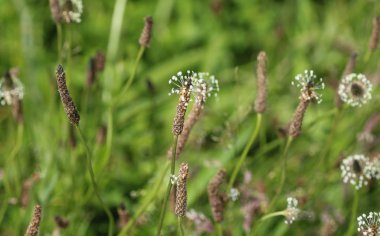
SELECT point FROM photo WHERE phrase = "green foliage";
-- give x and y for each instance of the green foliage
(295, 34)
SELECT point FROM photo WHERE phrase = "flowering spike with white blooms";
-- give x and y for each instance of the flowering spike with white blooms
(356, 170)
(369, 225)
(291, 212)
(309, 84)
(11, 89)
(355, 90)
(202, 85)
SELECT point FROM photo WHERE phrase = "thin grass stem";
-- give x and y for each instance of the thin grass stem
(180, 226)
(245, 151)
(165, 202)
(352, 225)
(219, 229)
(93, 182)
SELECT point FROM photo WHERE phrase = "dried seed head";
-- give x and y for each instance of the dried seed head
(216, 198)
(374, 41)
(34, 224)
(181, 191)
(100, 60)
(68, 104)
(91, 72)
(296, 124)
(26, 187)
(260, 103)
(369, 224)
(61, 222)
(55, 11)
(146, 34)
(309, 85)
(355, 90)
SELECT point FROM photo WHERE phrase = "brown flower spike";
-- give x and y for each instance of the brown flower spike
(181, 193)
(374, 41)
(35, 222)
(179, 118)
(55, 10)
(216, 198)
(296, 124)
(146, 34)
(67, 101)
(260, 104)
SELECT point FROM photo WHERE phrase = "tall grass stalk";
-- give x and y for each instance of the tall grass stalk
(142, 207)
(180, 226)
(219, 229)
(93, 182)
(165, 201)
(352, 225)
(59, 41)
(245, 151)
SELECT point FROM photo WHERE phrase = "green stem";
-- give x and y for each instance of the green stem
(219, 229)
(352, 225)
(245, 151)
(59, 41)
(93, 182)
(283, 173)
(145, 203)
(270, 215)
(165, 203)
(180, 226)
(132, 77)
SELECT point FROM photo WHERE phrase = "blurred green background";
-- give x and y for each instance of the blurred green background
(222, 37)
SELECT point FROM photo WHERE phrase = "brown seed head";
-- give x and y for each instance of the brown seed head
(146, 34)
(67, 101)
(181, 193)
(35, 222)
(374, 41)
(193, 117)
(260, 104)
(91, 72)
(55, 11)
(123, 216)
(179, 118)
(296, 124)
(100, 59)
(216, 198)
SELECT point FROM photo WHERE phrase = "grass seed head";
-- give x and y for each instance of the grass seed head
(260, 103)
(55, 11)
(369, 225)
(72, 11)
(146, 34)
(11, 89)
(296, 124)
(34, 224)
(181, 190)
(67, 101)
(216, 198)
(374, 41)
(309, 85)
(356, 170)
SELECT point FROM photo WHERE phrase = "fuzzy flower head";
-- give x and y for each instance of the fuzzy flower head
(309, 84)
(291, 212)
(373, 168)
(355, 90)
(356, 170)
(369, 225)
(11, 89)
(201, 85)
(72, 11)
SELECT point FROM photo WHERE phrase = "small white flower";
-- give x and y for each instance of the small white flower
(291, 212)
(309, 84)
(356, 170)
(10, 88)
(234, 194)
(73, 10)
(355, 90)
(173, 179)
(369, 225)
(201, 85)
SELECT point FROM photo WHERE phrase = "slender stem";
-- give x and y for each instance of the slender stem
(245, 151)
(219, 229)
(273, 214)
(354, 210)
(165, 203)
(145, 203)
(283, 173)
(132, 77)
(180, 226)
(59, 41)
(93, 182)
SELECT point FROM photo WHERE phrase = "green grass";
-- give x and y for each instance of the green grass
(295, 34)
